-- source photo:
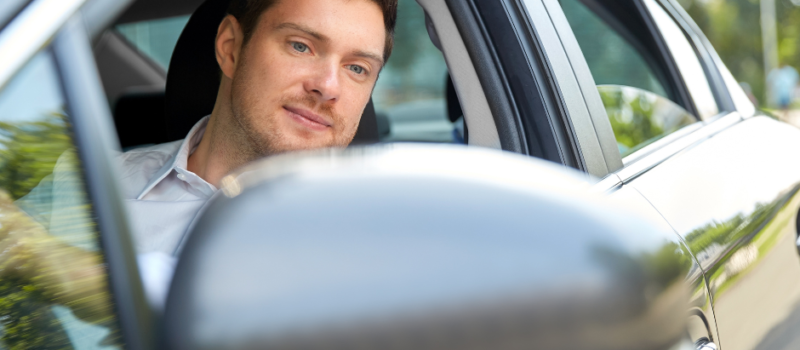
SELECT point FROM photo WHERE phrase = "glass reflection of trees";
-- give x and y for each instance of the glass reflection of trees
(44, 212)
(639, 117)
(728, 248)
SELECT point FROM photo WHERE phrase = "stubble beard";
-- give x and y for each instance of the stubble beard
(257, 135)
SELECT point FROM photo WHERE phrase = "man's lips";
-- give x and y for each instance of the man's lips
(308, 118)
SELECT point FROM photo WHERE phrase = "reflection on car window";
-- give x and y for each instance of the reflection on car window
(640, 117)
(410, 93)
(615, 56)
(155, 38)
(53, 292)
(624, 59)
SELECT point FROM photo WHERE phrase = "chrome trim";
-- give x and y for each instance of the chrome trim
(673, 146)
(656, 145)
(608, 184)
(31, 31)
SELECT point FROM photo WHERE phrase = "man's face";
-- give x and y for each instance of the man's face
(306, 73)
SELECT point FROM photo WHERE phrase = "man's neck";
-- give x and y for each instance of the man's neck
(221, 150)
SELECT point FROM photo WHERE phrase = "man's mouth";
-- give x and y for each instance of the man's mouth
(310, 119)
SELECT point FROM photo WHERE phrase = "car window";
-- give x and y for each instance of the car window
(686, 59)
(409, 96)
(156, 39)
(53, 288)
(639, 117)
(633, 78)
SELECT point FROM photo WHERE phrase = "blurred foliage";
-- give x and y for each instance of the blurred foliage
(40, 270)
(735, 231)
(639, 118)
(734, 28)
(28, 320)
(29, 152)
(631, 121)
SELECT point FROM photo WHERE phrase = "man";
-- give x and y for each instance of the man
(782, 84)
(295, 75)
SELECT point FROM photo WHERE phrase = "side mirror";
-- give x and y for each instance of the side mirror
(423, 247)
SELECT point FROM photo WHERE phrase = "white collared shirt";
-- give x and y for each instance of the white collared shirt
(163, 199)
(162, 196)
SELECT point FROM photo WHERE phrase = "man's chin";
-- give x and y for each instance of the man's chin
(302, 144)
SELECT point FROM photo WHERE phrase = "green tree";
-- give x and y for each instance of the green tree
(29, 151)
(734, 29)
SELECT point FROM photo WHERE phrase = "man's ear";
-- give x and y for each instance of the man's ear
(228, 45)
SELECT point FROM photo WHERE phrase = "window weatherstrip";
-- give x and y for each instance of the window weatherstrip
(606, 142)
(542, 17)
(666, 140)
(659, 152)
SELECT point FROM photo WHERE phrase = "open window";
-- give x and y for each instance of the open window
(647, 73)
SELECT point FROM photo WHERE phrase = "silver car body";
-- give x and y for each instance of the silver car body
(726, 184)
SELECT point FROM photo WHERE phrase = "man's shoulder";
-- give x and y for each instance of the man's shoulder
(146, 153)
(139, 165)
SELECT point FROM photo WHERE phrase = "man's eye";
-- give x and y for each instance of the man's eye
(300, 47)
(357, 69)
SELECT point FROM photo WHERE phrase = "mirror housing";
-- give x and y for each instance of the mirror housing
(423, 247)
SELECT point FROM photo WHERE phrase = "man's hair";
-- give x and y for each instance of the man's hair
(248, 12)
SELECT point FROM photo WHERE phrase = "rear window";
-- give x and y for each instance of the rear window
(155, 39)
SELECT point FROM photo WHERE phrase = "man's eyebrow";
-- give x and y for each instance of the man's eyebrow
(369, 55)
(309, 31)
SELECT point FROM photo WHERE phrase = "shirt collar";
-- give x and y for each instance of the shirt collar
(180, 159)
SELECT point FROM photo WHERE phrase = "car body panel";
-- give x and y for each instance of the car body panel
(700, 302)
(733, 197)
(727, 187)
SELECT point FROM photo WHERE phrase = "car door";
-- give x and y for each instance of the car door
(63, 230)
(550, 96)
(738, 212)
(632, 86)
(726, 183)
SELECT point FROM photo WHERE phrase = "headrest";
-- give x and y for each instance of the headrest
(139, 119)
(193, 76)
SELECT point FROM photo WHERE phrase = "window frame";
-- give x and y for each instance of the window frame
(67, 39)
(555, 88)
(623, 170)
(705, 54)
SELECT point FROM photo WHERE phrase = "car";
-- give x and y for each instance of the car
(627, 94)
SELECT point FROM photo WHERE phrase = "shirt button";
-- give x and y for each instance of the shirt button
(182, 177)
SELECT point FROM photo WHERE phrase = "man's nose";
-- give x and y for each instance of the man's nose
(325, 83)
